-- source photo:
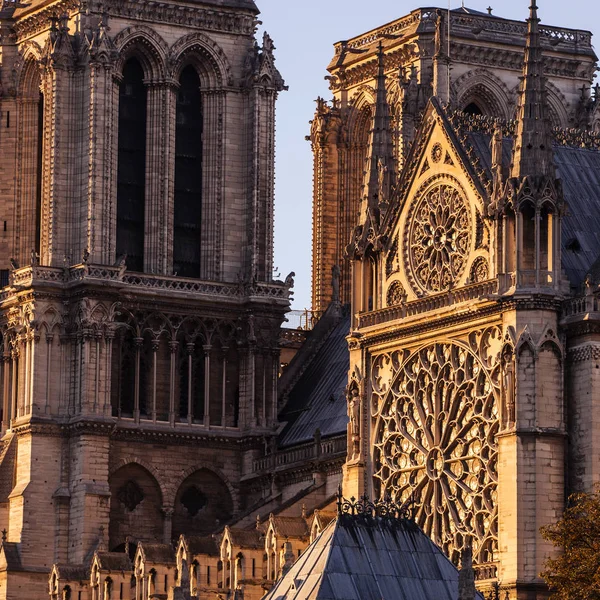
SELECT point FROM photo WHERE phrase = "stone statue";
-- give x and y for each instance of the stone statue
(381, 171)
(354, 415)
(289, 280)
(335, 283)
(508, 384)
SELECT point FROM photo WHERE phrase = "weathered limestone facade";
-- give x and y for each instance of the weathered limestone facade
(472, 389)
(484, 59)
(140, 324)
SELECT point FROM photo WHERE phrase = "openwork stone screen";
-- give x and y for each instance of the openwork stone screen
(438, 238)
(436, 420)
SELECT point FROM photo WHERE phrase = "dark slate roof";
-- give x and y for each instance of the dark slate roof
(247, 538)
(202, 545)
(579, 171)
(73, 572)
(290, 527)
(357, 558)
(158, 553)
(317, 400)
(115, 561)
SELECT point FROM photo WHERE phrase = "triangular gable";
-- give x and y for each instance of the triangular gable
(425, 158)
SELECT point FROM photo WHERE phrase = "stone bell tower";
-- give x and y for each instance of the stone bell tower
(139, 319)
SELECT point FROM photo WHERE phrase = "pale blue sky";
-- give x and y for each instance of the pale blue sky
(304, 32)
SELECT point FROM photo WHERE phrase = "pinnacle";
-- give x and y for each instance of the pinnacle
(533, 145)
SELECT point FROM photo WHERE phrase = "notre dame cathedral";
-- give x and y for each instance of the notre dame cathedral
(152, 446)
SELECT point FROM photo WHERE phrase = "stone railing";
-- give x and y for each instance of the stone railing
(581, 306)
(317, 450)
(27, 276)
(468, 23)
(428, 304)
(485, 571)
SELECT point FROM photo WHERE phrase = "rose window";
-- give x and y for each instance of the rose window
(439, 238)
(435, 441)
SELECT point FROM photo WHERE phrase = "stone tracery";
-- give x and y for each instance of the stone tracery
(438, 238)
(435, 439)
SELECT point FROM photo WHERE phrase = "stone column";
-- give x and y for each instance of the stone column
(109, 336)
(6, 416)
(168, 523)
(173, 348)
(224, 389)
(160, 146)
(155, 345)
(49, 344)
(190, 366)
(138, 344)
(206, 421)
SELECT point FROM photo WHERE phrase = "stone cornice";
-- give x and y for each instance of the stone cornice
(145, 433)
(233, 22)
(487, 308)
(584, 353)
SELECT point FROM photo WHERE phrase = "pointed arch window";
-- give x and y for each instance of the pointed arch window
(188, 176)
(131, 171)
(39, 167)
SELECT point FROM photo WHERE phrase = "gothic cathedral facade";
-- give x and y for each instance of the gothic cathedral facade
(139, 318)
(453, 182)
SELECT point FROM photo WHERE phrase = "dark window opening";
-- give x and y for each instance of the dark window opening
(131, 172)
(188, 176)
(473, 109)
(193, 500)
(195, 391)
(38, 183)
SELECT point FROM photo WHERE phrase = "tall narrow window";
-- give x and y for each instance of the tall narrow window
(188, 176)
(131, 174)
(38, 183)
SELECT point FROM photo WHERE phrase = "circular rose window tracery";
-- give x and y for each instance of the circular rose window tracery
(439, 238)
(435, 440)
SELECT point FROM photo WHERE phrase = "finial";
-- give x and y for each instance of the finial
(489, 9)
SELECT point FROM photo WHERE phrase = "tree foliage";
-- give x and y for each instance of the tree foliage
(575, 573)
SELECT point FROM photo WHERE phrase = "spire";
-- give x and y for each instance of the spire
(532, 154)
(380, 154)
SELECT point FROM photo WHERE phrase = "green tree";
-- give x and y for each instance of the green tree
(575, 573)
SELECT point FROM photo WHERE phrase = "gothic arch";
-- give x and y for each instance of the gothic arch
(557, 104)
(487, 91)
(135, 506)
(202, 501)
(360, 114)
(147, 46)
(205, 55)
(123, 462)
(27, 71)
(171, 492)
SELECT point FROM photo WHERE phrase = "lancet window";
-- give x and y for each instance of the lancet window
(131, 171)
(188, 176)
(39, 169)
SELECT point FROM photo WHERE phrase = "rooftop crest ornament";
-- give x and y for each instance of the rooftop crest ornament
(385, 508)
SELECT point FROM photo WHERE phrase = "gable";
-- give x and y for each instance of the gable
(439, 239)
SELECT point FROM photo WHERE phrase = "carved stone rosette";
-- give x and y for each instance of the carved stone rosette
(435, 413)
(438, 238)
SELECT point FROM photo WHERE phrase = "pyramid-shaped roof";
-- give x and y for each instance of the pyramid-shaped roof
(364, 557)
